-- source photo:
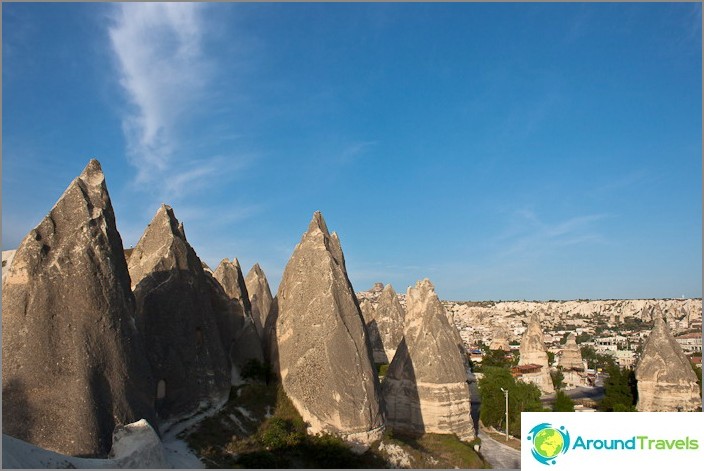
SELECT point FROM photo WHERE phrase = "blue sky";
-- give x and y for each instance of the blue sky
(505, 151)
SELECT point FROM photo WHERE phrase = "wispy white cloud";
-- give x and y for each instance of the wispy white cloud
(162, 70)
(528, 235)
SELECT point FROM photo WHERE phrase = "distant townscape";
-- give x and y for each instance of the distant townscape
(147, 357)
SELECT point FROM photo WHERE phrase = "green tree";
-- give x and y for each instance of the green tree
(563, 403)
(523, 397)
(620, 392)
(557, 377)
(551, 358)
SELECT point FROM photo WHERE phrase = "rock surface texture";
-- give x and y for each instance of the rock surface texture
(532, 351)
(571, 355)
(666, 381)
(73, 363)
(386, 326)
(324, 358)
(178, 313)
(425, 389)
(259, 297)
(246, 344)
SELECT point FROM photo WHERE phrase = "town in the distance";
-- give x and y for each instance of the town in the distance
(148, 358)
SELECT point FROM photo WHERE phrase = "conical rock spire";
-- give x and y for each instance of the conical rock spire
(73, 361)
(666, 380)
(323, 354)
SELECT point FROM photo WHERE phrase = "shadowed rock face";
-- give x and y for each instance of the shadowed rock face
(571, 355)
(324, 357)
(386, 326)
(179, 314)
(259, 297)
(666, 380)
(247, 344)
(425, 389)
(532, 351)
(73, 363)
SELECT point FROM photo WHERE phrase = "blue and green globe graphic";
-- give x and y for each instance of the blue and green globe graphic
(548, 442)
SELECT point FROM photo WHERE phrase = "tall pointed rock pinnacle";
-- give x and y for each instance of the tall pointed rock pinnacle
(532, 352)
(386, 328)
(73, 364)
(666, 380)
(425, 389)
(247, 343)
(324, 358)
(180, 323)
(259, 297)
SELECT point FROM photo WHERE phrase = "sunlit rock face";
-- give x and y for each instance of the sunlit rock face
(179, 313)
(259, 297)
(666, 380)
(571, 355)
(323, 354)
(385, 326)
(532, 351)
(73, 361)
(425, 389)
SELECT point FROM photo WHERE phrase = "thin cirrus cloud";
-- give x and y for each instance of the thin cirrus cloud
(165, 74)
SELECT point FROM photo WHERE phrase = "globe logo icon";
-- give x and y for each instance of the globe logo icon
(548, 442)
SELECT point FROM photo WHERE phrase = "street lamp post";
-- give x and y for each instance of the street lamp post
(505, 391)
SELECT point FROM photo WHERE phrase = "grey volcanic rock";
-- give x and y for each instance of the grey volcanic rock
(367, 309)
(324, 357)
(532, 351)
(259, 297)
(247, 344)
(386, 327)
(7, 256)
(571, 354)
(425, 389)
(73, 363)
(179, 315)
(666, 381)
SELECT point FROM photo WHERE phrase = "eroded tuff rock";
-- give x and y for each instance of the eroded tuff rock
(324, 357)
(386, 326)
(246, 344)
(259, 297)
(425, 389)
(571, 355)
(73, 362)
(7, 256)
(367, 309)
(666, 380)
(532, 352)
(179, 314)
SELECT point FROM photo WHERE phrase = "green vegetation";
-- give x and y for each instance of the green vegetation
(597, 360)
(496, 358)
(563, 403)
(551, 357)
(260, 428)
(523, 397)
(557, 377)
(381, 369)
(620, 391)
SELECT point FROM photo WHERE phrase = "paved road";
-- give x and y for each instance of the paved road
(498, 455)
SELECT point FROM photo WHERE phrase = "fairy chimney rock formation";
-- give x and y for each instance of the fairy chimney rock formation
(666, 380)
(259, 297)
(367, 309)
(425, 389)
(73, 363)
(532, 352)
(323, 356)
(571, 355)
(246, 344)
(176, 312)
(386, 327)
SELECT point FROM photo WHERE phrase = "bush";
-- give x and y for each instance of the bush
(280, 433)
(563, 403)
